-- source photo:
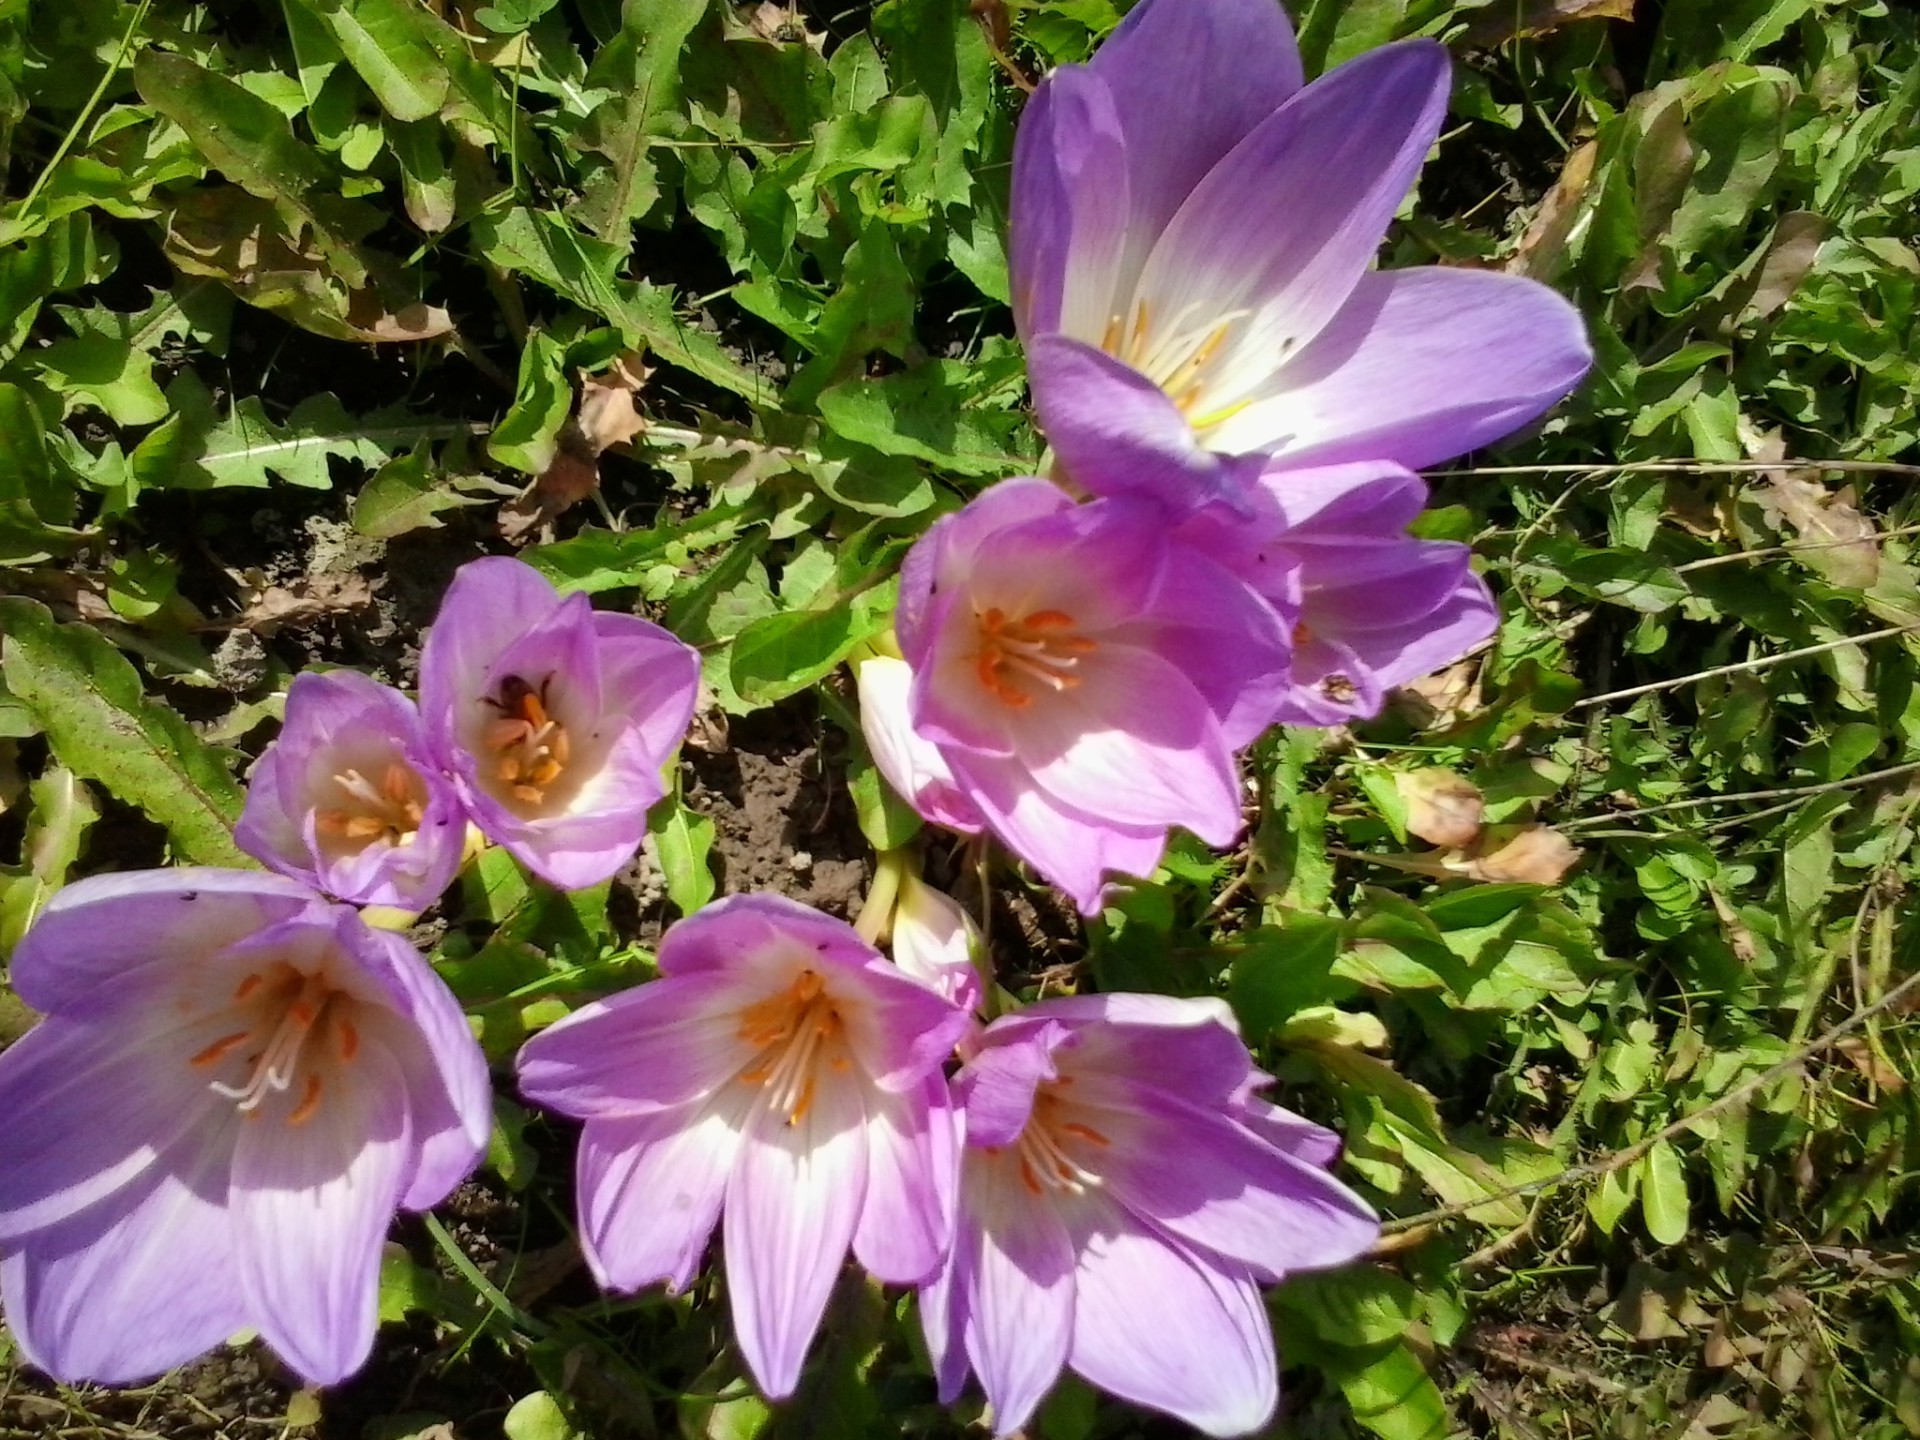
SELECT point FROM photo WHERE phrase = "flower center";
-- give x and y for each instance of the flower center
(1179, 357)
(290, 1030)
(1043, 649)
(794, 1031)
(367, 814)
(1054, 1147)
(529, 746)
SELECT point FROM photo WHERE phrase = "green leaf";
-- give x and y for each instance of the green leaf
(62, 813)
(1393, 1396)
(528, 433)
(88, 700)
(391, 44)
(538, 1417)
(199, 449)
(684, 841)
(1663, 1194)
(930, 413)
(783, 654)
(405, 495)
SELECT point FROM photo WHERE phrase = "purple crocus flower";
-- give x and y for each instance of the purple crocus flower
(1371, 606)
(1205, 286)
(1123, 1196)
(553, 719)
(349, 800)
(1084, 678)
(235, 1085)
(782, 1072)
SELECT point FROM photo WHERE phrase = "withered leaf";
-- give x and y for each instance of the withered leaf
(268, 608)
(1502, 23)
(1443, 808)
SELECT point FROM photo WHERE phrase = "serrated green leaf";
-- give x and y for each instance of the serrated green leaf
(391, 45)
(88, 700)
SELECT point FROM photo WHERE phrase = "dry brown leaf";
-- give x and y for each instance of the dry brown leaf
(1443, 808)
(1538, 855)
(1860, 1054)
(607, 414)
(1540, 17)
(1789, 260)
(604, 416)
(1840, 544)
(1437, 701)
(267, 608)
(1540, 250)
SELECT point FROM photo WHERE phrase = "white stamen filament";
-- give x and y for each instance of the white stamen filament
(1179, 356)
(793, 1031)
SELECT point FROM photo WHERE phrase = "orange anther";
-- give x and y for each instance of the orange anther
(219, 1049)
(348, 1037)
(1085, 1132)
(247, 986)
(309, 1102)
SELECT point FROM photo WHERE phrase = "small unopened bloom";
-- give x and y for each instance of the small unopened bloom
(936, 942)
(554, 719)
(235, 1085)
(780, 1072)
(1082, 678)
(349, 799)
(1223, 264)
(1124, 1195)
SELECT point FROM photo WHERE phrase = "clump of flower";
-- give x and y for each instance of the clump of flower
(236, 1084)
(781, 1076)
(1123, 1197)
(1079, 682)
(349, 800)
(1205, 287)
(553, 719)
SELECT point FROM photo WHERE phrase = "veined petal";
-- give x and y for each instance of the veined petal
(650, 1189)
(134, 1286)
(910, 764)
(792, 1206)
(1168, 1328)
(913, 1159)
(89, 1109)
(311, 1205)
(658, 1046)
(1419, 366)
(83, 953)
(1069, 214)
(467, 635)
(1279, 231)
(1019, 1306)
(650, 675)
(1135, 744)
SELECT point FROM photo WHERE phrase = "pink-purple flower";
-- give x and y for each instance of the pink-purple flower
(1124, 1194)
(1080, 677)
(235, 1086)
(349, 799)
(781, 1079)
(553, 719)
(1192, 235)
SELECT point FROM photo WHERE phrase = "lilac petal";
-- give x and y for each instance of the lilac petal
(487, 603)
(449, 1094)
(1068, 217)
(658, 1046)
(757, 939)
(83, 953)
(944, 557)
(913, 1158)
(1375, 497)
(1137, 745)
(652, 678)
(1229, 1194)
(1419, 366)
(1199, 1348)
(793, 1203)
(1467, 618)
(1073, 851)
(133, 1287)
(912, 766)
(1115, 432)
(1019, 1306)
(311, 1206)
(1291, 1133)
(650, 1189)
(1191, 1045)
(1226, 64)
(997, 1087)
(943, 1319)
(1248, 241)
(90, 1109)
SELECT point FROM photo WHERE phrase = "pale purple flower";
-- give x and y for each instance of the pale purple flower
(1192, 232)
(553, 718)
(936, 942)
(1371, 606)
(235, 1085)
(912, 765)
(1123, 1197)
(780, 1073)
(348, 798)
(1084, 679)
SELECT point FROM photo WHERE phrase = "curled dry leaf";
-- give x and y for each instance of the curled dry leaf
(1533, 18)
(1538, 855)
(1835, 540)
(604, 416)
(1540, 249)
(1443, 808)
(607, 414)
(1436, 701)
(268, 608)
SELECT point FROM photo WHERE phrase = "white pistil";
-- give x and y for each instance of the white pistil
(277, 1063)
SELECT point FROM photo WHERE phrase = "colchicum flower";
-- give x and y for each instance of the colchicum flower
(1205, 286)
(349, 800)
(1080, 678)
(1371, 606)
(554, 719)
(235, 1085)
(780, 1071)
(1123, 1197)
